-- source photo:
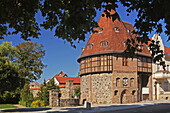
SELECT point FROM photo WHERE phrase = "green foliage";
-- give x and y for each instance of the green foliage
(26, 97)
(18, 65)
(37, 103)
(50, 85)
(45, 96)
(7, 106)
(73, 19)
(77, 92)
(29, 57)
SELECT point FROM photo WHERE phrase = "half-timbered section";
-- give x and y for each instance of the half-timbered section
(96, 64)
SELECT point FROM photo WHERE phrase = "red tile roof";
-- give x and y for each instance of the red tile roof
(63, 79)
(61, 74)
(115, 39)
(166, 50)
(35, 88)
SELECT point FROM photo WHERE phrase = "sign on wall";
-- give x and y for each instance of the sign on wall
(145, 90)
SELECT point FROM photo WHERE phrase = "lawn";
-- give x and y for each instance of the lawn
(6, 106)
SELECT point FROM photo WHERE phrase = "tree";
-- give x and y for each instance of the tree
(50, 85)
(9, 77)
(18, 65)
(72, 19)
(26, 96)
(77, 92)
(29, 57)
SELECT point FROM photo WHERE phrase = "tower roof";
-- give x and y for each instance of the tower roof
(114, 34)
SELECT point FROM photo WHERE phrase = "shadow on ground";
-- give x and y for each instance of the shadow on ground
(25, 110)
(93, 109)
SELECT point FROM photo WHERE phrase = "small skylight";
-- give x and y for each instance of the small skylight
(104, 43)
(89, 46)
(116, 29)
(100, 29)
(128, 30)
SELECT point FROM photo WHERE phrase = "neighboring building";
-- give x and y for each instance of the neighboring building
(61, 81)
(108, 77)
(34, 88)
(161, 77)
(61, 74)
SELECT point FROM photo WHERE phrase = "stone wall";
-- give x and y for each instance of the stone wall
(96, 88)
(66, 98)
(54, 98)
(69, 102)
(101, 88)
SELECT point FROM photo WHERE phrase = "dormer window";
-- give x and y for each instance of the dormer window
(100, 29)
(89, 46)
(104, 43)
(116, 29)
(128, 30)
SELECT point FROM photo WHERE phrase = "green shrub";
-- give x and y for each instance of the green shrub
(37, 103)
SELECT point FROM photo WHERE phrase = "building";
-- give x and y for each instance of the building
(108, 77)
(161, 77)
(34, 88)
(61, 81)
(61, 74)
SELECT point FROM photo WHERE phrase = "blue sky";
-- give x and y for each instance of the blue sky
(61, 56)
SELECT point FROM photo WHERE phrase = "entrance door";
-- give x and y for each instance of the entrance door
(125, 97)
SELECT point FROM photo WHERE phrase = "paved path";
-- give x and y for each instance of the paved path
(19, 106)
(82, 109)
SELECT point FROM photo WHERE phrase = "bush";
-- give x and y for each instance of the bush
(37, 103)
(26, 97)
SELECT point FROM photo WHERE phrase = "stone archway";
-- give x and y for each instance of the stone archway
(125, 97)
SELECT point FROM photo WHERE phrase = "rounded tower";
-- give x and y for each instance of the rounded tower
(106, 76)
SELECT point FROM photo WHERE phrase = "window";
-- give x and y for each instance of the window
(116, 29)
(132, 82)
(104, 43)
(167, 68)
(124, 61)
(104, 60)
(100, 30)
(157, 67)
(117, 82)
(89, 46)
(166, 86)
(128, 30)
(133, 92)
(87, 62)
(125, 81)
(116, 92)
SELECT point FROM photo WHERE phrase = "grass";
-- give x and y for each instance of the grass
(6, 106)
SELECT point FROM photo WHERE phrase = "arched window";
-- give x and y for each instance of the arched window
(116, 92)
(132, 82)
(117, 82)
(125, 81)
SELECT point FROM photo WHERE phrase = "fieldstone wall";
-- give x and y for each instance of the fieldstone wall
(97, 88)
(54, 98)
(66, 98)
(102, 88)
(69, 102)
